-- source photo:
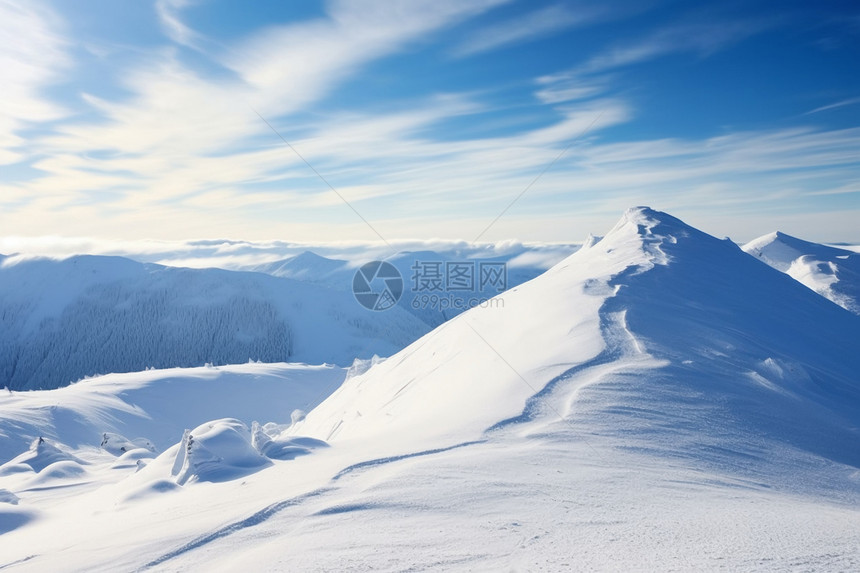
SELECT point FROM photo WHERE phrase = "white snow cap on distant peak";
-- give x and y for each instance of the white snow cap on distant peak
(648, 217)
(642, 230)
(832, 272)
(639, 210)
(636, 221)
(640, 220)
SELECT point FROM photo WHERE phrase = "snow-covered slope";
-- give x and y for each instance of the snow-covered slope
(694, 314)
(830, 271)
(156, 406)
(659, 400)
(61, 320)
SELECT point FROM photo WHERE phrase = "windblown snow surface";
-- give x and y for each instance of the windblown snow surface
(659, 400)
(830, 271)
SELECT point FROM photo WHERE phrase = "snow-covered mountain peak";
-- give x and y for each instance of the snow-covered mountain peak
(654, 295)
(641, 212)
(780, 250)
(641, 222)
(651, 224)
(311, 258)
(832, 272)
(639, 237)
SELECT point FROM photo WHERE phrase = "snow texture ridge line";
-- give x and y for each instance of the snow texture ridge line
(613, 330)
(250, 521)
(269, 511)
(620, 342)
(392, 459)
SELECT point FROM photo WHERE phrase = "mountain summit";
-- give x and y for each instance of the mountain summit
(657, 333)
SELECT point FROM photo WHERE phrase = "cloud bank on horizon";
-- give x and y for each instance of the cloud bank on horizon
(140, 120)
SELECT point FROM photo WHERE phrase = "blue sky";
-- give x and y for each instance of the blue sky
(132, 120)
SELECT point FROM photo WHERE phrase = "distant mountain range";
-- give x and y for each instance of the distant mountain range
(64, 319)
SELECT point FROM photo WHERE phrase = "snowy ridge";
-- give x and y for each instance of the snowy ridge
(740, 341)
(443, 384)
(653, 294)
(832, 272)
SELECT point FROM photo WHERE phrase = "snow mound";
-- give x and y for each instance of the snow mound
(7, 496)
(276, 446)
(134, 459)
(159, 405)
(832, 272)
(216, 451)
(226, 449)
(42, 456)
(57, 471)
(119, 445)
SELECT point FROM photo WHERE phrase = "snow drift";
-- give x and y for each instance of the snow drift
(831, 272)
(152, 409)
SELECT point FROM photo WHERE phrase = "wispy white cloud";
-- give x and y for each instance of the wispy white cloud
(242, 255)
(182, 136)
(742, 171)
(835, 105)
(702, 39)
(32, 56)
(571, 86)
(182, 153)
(169, 15)
(598, 74)
(289, 66)
(537, 24)
(409, 181)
